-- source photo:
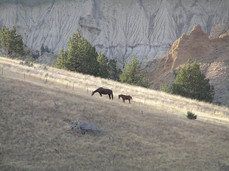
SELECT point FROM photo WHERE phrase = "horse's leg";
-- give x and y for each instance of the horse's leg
(100, 94)
(129, 101)
(109, 96)
(123, 99)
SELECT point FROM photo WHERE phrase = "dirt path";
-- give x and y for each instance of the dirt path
(34, 135)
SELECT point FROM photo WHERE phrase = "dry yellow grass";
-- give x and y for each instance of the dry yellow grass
(137, 136)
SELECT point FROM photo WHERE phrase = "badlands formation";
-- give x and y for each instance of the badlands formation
(118, 28)
(212, 53)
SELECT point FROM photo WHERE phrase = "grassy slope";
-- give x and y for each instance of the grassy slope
(71, 80)
(134, 137)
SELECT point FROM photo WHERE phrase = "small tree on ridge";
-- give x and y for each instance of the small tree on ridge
(191, 83)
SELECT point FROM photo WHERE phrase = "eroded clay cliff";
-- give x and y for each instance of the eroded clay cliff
(119, 28)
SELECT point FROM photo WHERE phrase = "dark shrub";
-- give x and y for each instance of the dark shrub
(191, 115)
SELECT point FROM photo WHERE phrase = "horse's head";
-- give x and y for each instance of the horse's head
(119, 96)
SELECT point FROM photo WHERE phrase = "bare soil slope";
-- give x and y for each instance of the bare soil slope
(35, 136)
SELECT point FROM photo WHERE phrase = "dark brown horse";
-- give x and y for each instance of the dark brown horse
(125, 97)
(102, 90)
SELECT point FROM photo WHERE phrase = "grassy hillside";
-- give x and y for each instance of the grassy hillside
(70, 80)
(138, 136)
(34, 135)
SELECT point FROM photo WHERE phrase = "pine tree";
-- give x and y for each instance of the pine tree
(73, 62)
(62, 59)
(11, 41)
(132, 74)
(88, 58)
(103, 65)
(81, 56)
(17, 44)
(113, 73)
(191, 83)
(47, 49)
(42, 49)
(5, 39)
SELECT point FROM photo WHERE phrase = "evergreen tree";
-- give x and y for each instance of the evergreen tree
(103, 65)
(88, 58)
(191, 83)
(11, 41)
(17, 42)
(46, 49)
(73, 62)
(62, 59)
(5, 38)
(113, 73)
(81, 56)
(132, 74)
(42, 49)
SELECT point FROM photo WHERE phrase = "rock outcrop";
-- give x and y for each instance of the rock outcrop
(118, 28)
(211, 53)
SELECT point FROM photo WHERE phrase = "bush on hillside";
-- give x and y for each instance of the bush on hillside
(191, 115)
(166, 88)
